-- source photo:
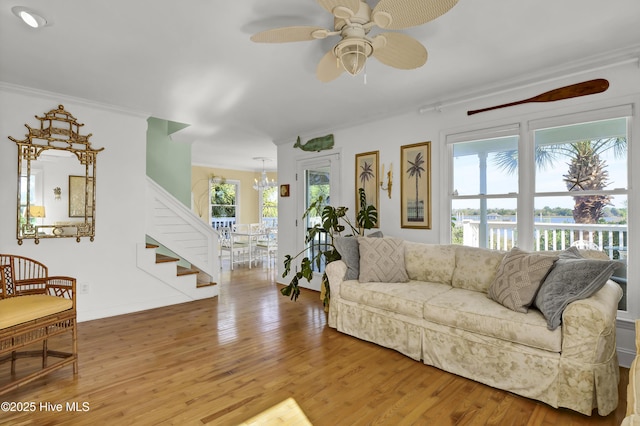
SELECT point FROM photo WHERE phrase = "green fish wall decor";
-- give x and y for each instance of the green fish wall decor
(316, 144)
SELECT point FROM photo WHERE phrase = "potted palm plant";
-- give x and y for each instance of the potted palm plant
(334, 221)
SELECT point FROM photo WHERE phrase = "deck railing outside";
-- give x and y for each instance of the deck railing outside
(319, 244)
(218, 222)
(610, 238)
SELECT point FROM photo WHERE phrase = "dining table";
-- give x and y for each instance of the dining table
(247, 239)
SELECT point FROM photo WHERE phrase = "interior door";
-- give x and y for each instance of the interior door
(316, 177)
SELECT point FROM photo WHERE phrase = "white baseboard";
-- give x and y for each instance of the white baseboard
(122, 309)
(626, 342)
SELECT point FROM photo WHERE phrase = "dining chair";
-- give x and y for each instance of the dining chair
(267, 245)
(236, 248)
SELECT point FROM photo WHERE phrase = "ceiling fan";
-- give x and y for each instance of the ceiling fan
(353, 19)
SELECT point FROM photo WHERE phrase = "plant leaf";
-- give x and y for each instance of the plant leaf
(287, 265)
(306, 270)
(363, 198)
(332, 219)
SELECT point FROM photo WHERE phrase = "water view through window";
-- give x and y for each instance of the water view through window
(574, 178)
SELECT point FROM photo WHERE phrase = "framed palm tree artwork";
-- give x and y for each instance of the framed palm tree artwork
(367, 178)
(415, 185)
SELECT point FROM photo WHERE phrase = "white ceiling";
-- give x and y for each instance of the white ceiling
(191, 61)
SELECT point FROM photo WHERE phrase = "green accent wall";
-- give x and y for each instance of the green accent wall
(169, 162)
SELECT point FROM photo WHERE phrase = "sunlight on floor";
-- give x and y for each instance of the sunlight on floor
(285, 413)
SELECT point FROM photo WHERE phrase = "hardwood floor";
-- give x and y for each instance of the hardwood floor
(222, 361)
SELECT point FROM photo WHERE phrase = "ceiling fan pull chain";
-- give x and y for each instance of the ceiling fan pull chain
(364, 77)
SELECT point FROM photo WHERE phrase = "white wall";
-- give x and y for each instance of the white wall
(387, 135)
(108, 264)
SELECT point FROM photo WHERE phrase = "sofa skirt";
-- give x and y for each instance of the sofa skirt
(383, 328)
(530, 372)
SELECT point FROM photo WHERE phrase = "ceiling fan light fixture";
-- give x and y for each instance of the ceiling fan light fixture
(353, 54)
(29, 17)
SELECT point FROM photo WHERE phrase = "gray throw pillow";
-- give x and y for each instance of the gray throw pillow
(382, 260)
(571, 278)
(349, 252)
(519, 277)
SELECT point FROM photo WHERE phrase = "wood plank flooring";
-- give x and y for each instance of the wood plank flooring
(225, 360)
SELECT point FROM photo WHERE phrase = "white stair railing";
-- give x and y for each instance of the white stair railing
(176, 227)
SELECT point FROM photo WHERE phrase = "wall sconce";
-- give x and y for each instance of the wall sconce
(389, 179)
(57, 193)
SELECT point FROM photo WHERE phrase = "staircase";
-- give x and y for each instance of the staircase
(194, 270)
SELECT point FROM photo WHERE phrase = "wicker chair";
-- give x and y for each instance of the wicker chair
(33, 308)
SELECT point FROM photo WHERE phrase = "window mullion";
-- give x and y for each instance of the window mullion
(526, 189)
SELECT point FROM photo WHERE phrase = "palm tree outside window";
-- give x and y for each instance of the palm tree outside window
(569, 187)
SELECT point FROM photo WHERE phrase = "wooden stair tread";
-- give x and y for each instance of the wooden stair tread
(203, 280)
(201, 284)
(161, 258)
(186, 271)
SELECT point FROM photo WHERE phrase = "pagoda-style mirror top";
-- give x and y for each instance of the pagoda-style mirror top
(56, 164)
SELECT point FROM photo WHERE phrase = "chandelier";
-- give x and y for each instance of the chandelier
(264, 182)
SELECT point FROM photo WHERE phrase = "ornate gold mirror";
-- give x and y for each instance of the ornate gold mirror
(56, 180)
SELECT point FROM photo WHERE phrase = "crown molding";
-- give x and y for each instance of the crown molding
(609, 60)
(60, 98)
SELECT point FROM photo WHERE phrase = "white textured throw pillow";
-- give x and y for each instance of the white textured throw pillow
(519, 277)
(382, 260)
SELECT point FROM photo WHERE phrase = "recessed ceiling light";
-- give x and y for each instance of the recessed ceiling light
(29, 17)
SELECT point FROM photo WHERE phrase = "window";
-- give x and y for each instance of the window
(269, 206)
(23, 195)
(224, 203)
(484, 196)
(317, 184)
(581, 179)
(581, 189)
(563, 184)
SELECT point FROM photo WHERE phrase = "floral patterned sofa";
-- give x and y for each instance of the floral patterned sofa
(487, 315)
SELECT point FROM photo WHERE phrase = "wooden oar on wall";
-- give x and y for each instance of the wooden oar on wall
(585, 88)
